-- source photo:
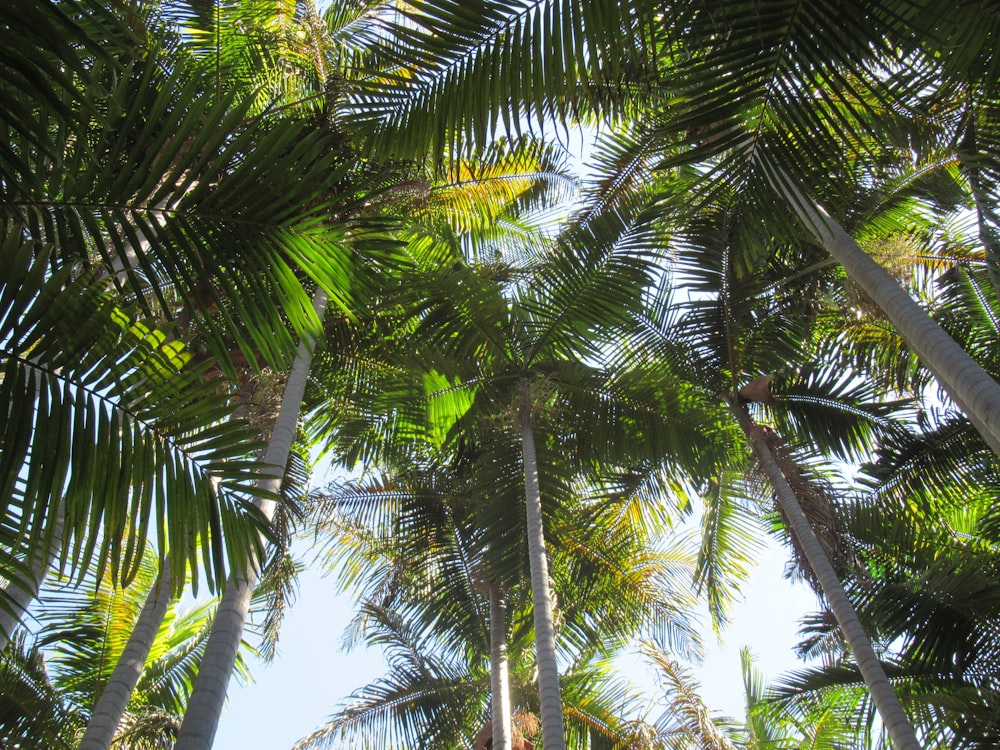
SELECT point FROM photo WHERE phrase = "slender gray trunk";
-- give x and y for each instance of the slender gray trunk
(201, 721)
(499, 673)
(18, 595)
(110, 707)
(550, 700)
(890, 709)
(969, 385)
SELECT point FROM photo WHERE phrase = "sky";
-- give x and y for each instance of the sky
(312, 675)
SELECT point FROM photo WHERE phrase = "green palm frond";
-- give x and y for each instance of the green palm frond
(426, 700)
(459, 75)
(970, 313)
(587, 289)
(509, 179)
(686, 721)
(730, 541)
(601, 709)
(32, 709)
(85, 626)
(946, 460)
(404, 543)
(112, 429)
(836, 413)
(82, 629)
(190, 207)
(614, 583)
(827, 720)
(619, 166)
(268, 51)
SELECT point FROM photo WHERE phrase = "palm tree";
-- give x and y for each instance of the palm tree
(889, 707)
(743, 318)
(101, 164)
(208, 696)
(152, 227)
(499, 333)
(766, 99)
(435, 699)
(827, 99)
(502, 176)
(525, 373)
(176, 173)
(932, 475)
(52, 676)
(423, 542)
(110, 707)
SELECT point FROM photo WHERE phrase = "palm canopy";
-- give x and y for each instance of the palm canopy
(765, 99)
(807, 73)
(742, 306)
(173, 189)
(157, 192)
(427, 537)
(110, 437)
(463, 75)
(493, 304)
(52, 676)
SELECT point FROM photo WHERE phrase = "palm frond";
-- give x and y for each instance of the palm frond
(730, 541)
(113, 431)
(31, 708)
(686, 717)
(458, 75)
(423, 701)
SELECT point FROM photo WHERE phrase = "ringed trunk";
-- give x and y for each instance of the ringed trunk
(499, 673)
(890, 709)
(201, 721)
(969, 385)
(550, 699)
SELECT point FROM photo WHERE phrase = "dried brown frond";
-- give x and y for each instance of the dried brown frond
(526, 722)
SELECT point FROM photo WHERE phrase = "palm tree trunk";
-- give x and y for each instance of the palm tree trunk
(499, 673)
(550, 700)
(20, 596)
(110, 707)
(201, 720)
(970, 387)
(890, 709)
